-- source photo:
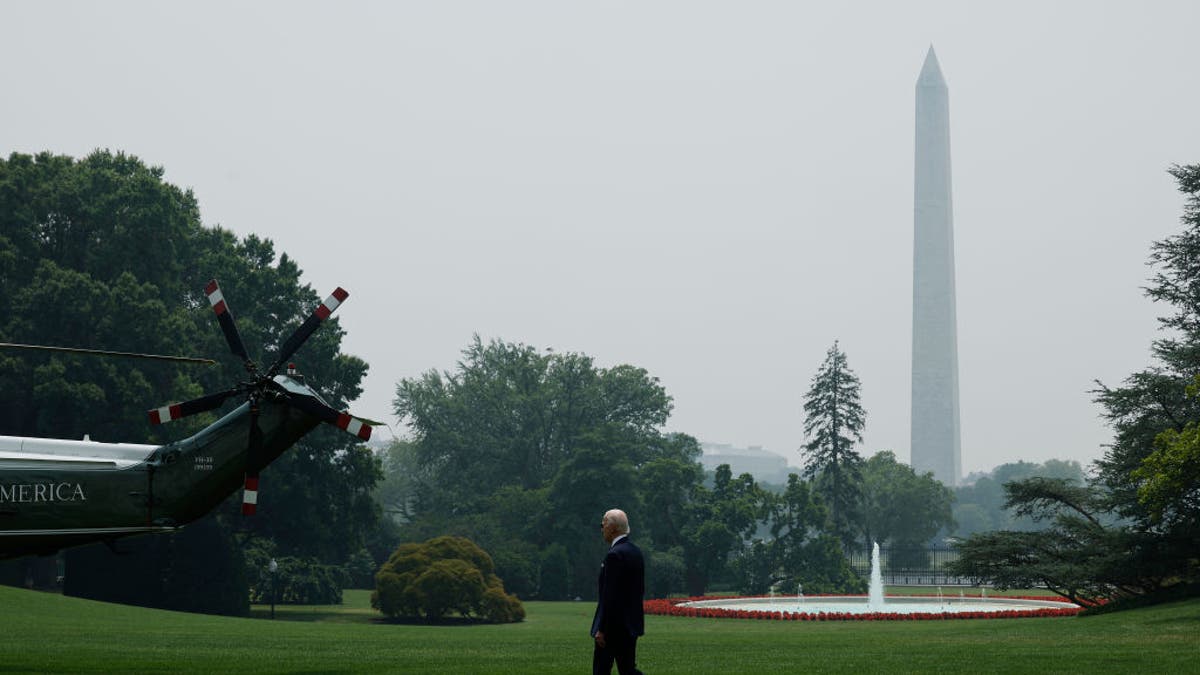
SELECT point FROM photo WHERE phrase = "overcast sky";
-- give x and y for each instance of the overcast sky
(712, 191)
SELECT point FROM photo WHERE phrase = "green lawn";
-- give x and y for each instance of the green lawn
(42, 632)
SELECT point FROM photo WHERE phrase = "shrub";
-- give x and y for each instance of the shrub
(449, 585)
(443, 576)
(298, 581)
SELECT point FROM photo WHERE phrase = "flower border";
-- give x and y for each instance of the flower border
(674, 607)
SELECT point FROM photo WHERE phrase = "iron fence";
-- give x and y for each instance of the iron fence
(911, 566)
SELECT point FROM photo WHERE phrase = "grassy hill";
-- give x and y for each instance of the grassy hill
(48, 633)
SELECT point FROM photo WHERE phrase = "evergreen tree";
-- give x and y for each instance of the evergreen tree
(834, 421)
(1133, 528)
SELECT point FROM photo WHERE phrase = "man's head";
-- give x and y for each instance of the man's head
(614, 524)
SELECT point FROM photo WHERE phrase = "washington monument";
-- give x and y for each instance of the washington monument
(935, 431)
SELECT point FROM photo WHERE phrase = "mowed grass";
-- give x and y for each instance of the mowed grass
(41, 632)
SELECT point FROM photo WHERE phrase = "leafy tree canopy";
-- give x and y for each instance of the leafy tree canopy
(511, 415)
(900, 507)
(1168, 479)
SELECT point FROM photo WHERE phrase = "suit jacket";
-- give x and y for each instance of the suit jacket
(622, 587)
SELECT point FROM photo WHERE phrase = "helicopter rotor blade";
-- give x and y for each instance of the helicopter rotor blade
(105, 352)
(225, 317)
(253, 459)
(169, 413)
(344, 421)
(314, 321)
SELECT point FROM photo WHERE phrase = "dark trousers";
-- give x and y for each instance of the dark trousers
(619, 648)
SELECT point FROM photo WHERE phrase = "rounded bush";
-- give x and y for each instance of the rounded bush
(440, 577)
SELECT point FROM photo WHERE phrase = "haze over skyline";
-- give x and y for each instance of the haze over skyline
(713, 192)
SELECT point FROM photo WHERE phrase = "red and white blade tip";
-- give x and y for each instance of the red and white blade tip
(354, 426)
(215, 297)
(250, 496)
(166, 413)
(331, 303)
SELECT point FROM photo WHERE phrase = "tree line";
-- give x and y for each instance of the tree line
(521, 449)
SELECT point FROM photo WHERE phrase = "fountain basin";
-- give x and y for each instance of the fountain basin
(852, 607)
(853, 604)
(857, 608)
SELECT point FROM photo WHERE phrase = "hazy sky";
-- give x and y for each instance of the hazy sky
(712, 191)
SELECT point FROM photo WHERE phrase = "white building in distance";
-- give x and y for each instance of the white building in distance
(764, 465)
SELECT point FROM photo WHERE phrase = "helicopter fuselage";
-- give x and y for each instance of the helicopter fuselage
(60, 493)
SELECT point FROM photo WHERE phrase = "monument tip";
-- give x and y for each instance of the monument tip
(931, 71)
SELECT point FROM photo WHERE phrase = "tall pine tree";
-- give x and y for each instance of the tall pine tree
(834, 421)
(1132, 529)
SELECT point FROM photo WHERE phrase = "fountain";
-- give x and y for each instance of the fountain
(875, 602)
(875, 596)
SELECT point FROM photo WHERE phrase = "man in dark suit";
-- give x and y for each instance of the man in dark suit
(618, 622)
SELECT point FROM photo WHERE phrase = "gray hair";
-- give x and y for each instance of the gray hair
(617, 517)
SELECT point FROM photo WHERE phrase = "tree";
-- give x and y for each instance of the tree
(668, 486)
(442, 576)
(1154, 410)
(587, 486)
(720, 524)
(1168, 480)
(799, 552)
(755, 568)
(1122, 533)
(666, 573)
(511, 415)
(797, 517)
(396, 492)
(525, 445)
(903, 509)
(834, 420)
(554, 572)
(1077, 557)
(708, 546)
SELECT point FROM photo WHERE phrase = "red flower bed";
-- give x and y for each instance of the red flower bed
(674, 607)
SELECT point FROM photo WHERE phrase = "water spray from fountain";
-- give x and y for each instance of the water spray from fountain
(875, 598)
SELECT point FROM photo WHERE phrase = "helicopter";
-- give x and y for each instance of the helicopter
(55, 493)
